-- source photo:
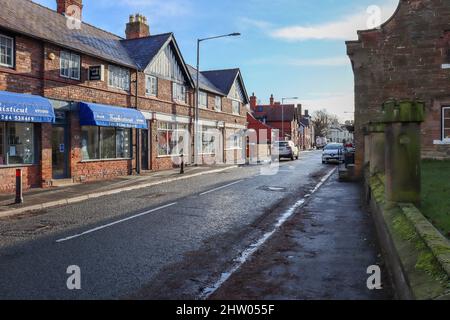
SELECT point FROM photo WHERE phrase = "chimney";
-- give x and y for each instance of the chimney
(272, 100)
(71, 8)
(137, 27)
(253, 102)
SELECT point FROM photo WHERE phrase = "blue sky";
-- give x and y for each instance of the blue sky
(288, 47)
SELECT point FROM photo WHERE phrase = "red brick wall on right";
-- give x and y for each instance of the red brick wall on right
(403, 60)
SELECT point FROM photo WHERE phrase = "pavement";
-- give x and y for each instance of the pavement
(322, 253)
(37, 199)
(176, 240)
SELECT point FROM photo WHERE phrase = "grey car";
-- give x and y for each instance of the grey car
(333, 152)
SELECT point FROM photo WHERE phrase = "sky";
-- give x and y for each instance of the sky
(288, 48)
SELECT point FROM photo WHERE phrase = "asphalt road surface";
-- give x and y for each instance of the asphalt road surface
(166, 242)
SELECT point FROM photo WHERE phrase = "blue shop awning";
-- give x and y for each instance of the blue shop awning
(92, 114)
(16, 107)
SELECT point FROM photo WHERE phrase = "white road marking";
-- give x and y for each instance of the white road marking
(220, 188)
(116, 222)
(247, 253)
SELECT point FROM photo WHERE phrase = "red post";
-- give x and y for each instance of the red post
(19, 190)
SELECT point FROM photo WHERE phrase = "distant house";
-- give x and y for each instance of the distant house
(285, 118)
(338, 133)
(306, 132)
(261, 148)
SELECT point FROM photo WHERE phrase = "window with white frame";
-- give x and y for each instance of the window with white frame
(179, 92)
(203, 99)
(446, 123)
(218, 104)
(17, 143)
(70, 65)
(236, 107)
(6, 51)
(151, 86)
(119, 78)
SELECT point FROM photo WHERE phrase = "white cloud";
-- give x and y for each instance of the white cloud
(341, 29)
(169, 8)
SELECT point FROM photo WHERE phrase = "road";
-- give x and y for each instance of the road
(166, 242)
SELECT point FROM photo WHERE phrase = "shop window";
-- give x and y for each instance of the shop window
(90, 143)
(209, 135)
(171, 139)
(99, 143)
(17, 144)
(446, 123)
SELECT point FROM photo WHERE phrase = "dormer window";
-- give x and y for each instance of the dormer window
(6, 51)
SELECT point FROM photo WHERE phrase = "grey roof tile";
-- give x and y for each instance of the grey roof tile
(204, 82)
(37, 21)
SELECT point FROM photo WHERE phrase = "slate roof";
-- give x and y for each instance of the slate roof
(276, 113)
(37, 21)
(222, 79)
(143, 50)
(204, 82)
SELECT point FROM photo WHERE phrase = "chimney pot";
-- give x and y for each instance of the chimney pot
(137, 27)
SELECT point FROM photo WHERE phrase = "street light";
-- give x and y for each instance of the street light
(282, 114)
(197, 107)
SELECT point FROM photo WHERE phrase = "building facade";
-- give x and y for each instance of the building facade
(408, 57)
(284, 118)
(80, 104)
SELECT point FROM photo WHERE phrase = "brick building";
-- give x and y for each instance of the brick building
(285, 118)
(306, 132)
(80, 104)
(223, 105)
(408, 57)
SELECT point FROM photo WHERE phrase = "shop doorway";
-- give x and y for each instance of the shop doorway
(145, 164)
(60, 148)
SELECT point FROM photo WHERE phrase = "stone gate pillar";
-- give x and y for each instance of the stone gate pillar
(377, 148)
(402, 134)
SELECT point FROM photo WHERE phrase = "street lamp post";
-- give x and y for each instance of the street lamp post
(282, 114)
(197, 106)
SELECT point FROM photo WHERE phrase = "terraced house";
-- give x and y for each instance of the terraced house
(78, 103)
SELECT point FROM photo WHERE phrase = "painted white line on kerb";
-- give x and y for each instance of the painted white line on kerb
(247, 253)
(220, 188)
(114, 223)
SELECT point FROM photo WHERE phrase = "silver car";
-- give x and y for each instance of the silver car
(287, 149)
(333, 152)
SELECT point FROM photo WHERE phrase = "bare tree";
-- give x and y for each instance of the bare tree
(322, 120)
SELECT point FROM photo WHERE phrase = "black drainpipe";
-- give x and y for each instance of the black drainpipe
(138, 159)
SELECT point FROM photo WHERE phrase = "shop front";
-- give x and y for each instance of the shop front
(25, 121)
(106, 138)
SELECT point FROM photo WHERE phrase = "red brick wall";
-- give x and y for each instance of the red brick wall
(403, 60)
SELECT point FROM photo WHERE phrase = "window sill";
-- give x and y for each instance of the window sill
(106, 160)
(10, 166)
(168, 156)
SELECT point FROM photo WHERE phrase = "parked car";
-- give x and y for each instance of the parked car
(333, 152)
(287, 149)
